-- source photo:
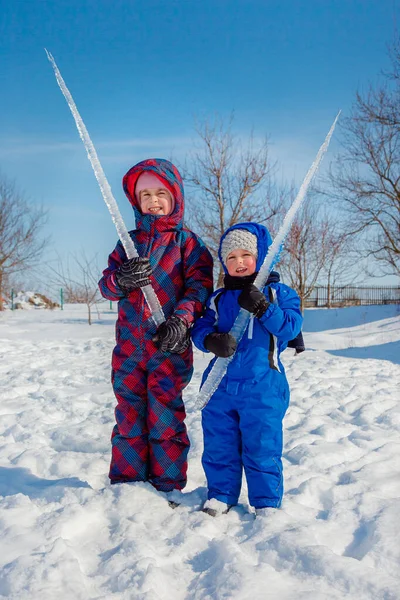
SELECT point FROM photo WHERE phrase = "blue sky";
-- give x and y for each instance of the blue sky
(141, 71)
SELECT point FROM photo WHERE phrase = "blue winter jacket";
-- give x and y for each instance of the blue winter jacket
(265, 338)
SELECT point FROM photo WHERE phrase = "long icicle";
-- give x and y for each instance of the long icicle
(130, 250)
(220, 366)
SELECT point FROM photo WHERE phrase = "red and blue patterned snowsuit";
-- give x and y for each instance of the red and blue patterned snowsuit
(149, 440)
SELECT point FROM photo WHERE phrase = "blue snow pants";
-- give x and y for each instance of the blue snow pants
(242, 428)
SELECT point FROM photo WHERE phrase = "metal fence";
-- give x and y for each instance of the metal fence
(337, 296)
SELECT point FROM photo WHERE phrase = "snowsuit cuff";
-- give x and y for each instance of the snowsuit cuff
(225, 498)
(109, 288)
(183, 317)
(268, 313)
(200, 339)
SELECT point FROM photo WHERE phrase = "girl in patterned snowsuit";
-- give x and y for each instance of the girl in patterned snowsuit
(242, 422)
(151, 368)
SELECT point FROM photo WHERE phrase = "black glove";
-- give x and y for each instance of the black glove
(253, 300)
(172, 336)
(133, 273)
(220, 344)
(297, 343)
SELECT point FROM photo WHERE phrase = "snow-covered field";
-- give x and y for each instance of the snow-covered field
(66, 534)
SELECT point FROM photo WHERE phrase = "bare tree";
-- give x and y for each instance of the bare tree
(305, 252)
(316, 248)
(80, 286)
(231, 182)
(367, 174)
(7, 286)
(341, 257)
(21, 224)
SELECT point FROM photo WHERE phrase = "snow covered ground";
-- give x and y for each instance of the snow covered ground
(66, 534)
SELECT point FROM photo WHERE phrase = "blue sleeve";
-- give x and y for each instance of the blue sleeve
(284, 319)
(206, 324)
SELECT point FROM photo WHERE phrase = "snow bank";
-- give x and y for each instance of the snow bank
(29, 300)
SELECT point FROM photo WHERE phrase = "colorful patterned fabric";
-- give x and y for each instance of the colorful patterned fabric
(242, 422)
(149, 441)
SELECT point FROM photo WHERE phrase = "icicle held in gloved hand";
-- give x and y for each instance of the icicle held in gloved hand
(134, 273)
(172, 336)
(220, 366)
(131, 252)
(220, 344)
(254, 301)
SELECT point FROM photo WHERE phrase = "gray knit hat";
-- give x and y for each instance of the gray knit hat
(238, 238)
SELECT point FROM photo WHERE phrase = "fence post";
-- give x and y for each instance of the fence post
(12, 299)
(110, 304)
(61, 299)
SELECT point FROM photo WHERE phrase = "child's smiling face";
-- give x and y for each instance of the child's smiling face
(155, 201)
(240, 263)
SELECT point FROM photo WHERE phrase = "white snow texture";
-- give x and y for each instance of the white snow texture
(65, 533)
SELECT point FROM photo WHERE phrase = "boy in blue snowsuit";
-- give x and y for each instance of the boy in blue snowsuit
(242, 422)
